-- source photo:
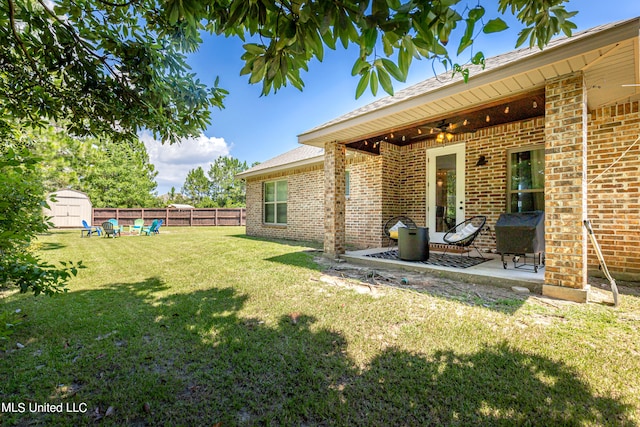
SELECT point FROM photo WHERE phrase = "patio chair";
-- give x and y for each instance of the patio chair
(151, 229)
(89, 230)
(110, 230)
(137, 226)
(391, 227)
(117, 227)
(157, 230)
(464, 234)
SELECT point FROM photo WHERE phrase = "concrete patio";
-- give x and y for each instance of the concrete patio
(490, 272)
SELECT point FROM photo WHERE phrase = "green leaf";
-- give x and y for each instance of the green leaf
(255, 49)
(523, 36)
(494, 26)
(362, 84)
(373, 83)
(476, 13)
(387, 45)
(385, 80)
(404, 62)
(393, 69)
(358, 66)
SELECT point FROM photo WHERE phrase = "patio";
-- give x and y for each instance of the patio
(490, 272)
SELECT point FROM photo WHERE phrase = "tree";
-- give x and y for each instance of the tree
(226, 189)
(21, 201)
(112, 173)
(113, 68)
(118, 174)
(196, 187)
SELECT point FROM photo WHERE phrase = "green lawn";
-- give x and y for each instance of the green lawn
(199, 326)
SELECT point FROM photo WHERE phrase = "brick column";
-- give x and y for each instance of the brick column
(566, 188)
(334, 198)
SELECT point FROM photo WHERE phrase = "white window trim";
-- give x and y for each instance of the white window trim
(275, 202)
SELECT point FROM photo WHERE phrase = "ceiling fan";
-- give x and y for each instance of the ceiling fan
(443, 130)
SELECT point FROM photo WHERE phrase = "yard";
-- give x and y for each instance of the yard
(206, 326)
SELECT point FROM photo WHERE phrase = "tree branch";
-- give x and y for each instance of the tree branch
(14, 30)
(86, 46)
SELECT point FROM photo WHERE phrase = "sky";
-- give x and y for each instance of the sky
(252, 128)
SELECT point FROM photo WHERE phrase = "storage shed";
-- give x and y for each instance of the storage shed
(69, 208)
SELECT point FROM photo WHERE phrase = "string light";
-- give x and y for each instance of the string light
(419, 131)
(535, 104)
(488, 119)
(466, 122)
(506, 109)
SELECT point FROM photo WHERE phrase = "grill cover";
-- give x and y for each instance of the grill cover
(520, 233)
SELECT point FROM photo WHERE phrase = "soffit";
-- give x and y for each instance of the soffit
(609, 59)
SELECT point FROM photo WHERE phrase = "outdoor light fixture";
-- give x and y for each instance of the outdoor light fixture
(482, 160)
(442, 135)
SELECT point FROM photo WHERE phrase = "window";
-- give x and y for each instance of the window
(347, 183)
(275, 202)
(525, 180)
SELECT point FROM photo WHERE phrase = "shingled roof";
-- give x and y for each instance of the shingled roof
(305, 154)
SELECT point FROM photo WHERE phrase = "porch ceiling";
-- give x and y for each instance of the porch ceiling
(607, 55)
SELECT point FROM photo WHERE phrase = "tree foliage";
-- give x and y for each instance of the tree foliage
(226, 189)
(21, 202)
(117, 67)
(112, 173)
(222, 189)
(196, 188)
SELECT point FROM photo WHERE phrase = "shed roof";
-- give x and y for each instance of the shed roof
(69, 193)
(180, 206)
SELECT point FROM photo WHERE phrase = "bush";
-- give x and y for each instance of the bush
(21, 219)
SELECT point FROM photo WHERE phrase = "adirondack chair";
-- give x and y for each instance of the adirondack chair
(151, 229)
(160, 222)
(89, 230)
(110, 230)
(137, 226)
(117, 227)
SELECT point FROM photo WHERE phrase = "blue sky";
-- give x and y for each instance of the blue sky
(253, 128)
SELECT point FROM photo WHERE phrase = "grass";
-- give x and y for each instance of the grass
(205, 326)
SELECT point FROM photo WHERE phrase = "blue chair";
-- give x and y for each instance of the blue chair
(89, 230)
(152, 229)
(160, 222)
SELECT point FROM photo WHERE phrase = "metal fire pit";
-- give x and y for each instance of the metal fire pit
(519, 234)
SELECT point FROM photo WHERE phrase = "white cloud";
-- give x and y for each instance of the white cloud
(173, 162)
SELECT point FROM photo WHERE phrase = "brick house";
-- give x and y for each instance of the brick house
(554, 130)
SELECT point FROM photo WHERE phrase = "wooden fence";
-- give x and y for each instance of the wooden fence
(174, 217)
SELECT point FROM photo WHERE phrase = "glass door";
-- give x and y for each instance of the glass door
(445, 191)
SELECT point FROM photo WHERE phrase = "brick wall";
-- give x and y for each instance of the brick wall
(363, 207)
(565, 182)
(305, 205)
(395, 184)
(486, 186)
(614, 198)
